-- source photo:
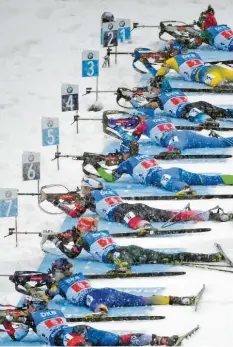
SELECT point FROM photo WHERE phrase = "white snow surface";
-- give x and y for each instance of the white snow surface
(40, 48)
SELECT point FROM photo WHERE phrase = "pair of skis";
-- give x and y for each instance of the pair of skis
(215, 267)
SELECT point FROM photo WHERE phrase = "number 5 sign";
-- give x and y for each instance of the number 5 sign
(50, 131)
(69, 97)
(31, 166)
(8, 202)
(90, 63)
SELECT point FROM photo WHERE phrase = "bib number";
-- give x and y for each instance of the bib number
(147, 164)
(179, 100)
(227, 34)
(113, 200)
(105, 242)
(194, 62)
(50, 323)
(77, 287)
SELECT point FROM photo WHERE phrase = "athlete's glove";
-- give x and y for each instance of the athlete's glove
(171, 341)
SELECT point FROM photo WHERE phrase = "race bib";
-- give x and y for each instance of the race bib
(79, 286)
(113, 200)
(157, 132)
(141, 170)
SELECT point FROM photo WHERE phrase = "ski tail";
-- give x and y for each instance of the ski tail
(222, 252)
(185, 336)
(199, 296)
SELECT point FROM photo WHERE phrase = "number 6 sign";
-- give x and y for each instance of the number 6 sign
(31, 166)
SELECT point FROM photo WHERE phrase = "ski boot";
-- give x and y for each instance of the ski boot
(164, 340)
(183, 300)
(219, 215)
(148, 229)
(121, 266)
(186, 191)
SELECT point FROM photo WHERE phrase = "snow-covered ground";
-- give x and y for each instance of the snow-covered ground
(40, 48)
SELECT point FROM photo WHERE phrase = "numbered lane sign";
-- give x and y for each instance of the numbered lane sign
(69, 97)
(8, 202)
(31, 166)
(50, 131)
(124, 29)
(90, 63)
(110, 34)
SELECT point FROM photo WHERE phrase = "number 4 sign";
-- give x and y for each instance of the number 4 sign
(90, 63)
(69, 97)
(8, 202)
(50, 131)
(31, 166)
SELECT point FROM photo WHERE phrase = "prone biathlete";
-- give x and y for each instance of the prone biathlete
(146, 170)
(190, 66)
(52, 328)
(162, 133)
(174, 103)
(108, 205)
(101, 245)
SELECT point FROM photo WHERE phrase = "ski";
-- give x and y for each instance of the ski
(172, 156)
(185, 336)
(227, 259)
(116, 274)
(207, 90)
(202, 127)
(182, 197)
(198, 297)
(103, 318)
(156, 232)
(207, 267)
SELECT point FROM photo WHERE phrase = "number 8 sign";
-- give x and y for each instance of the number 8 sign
(90, 63)
(8, 202)
(50, 131)
(31, 166)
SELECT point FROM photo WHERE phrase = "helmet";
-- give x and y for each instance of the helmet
(74, 340)
(210, 10)
(86, 223)
(107, 17)
(91, 182)
(35, 303)
(61, 265)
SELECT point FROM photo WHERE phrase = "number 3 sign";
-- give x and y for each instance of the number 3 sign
(31, 166)
(90, 63)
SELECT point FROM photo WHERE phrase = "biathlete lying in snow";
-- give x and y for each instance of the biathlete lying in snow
(108, 205)
(146, 170)
(52, 328)
(101, 245)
